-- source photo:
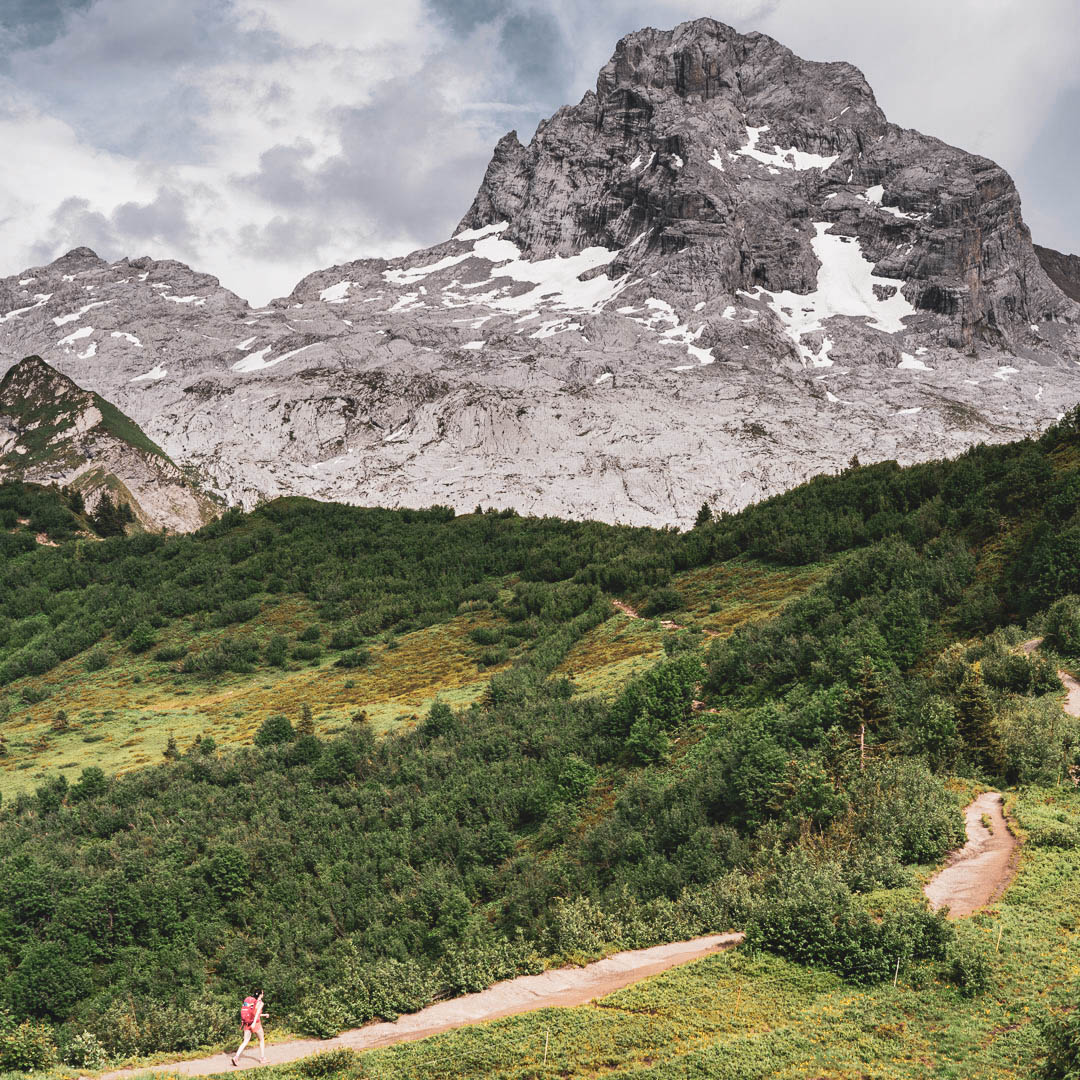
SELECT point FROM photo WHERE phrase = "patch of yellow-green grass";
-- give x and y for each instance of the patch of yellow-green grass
(610, 653)
(742, 590)
(123, 715)
(737, 1015)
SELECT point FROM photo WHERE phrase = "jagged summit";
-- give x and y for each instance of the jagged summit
(720, 273)
(721, 153)
(53, 431)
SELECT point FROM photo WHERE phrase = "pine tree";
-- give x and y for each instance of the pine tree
(704, 516)
(307, 721)
(864, 702)
(975, 713)
(172, 751)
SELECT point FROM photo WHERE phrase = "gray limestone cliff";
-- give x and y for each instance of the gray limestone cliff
(718, 274)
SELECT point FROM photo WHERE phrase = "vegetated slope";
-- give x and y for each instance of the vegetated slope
(721, 272)
(355, 876)
(32, 514)
(51, 431)
(759, 1015)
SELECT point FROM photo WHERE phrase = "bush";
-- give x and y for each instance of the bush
(96, 659)
(1063, 626)
(1037, 741)
(345, 637)
(661, 601)
(310, 634)
(141, 638)
(277, 651)
(329, 1063)
(90, 785)
(27, 1048)
(356, 659)
(440, 720)
(307, 652)
(806, 912)
(240, 612)
(169, 653)
(970, 966)
(1062, 1048)
(86, 1052)
(274, 730)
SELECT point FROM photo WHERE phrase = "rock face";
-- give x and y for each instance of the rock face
(52, 432)
(722, 272)
(1062, 270)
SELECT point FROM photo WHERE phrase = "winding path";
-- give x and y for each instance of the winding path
(558, 987)
(977, 873)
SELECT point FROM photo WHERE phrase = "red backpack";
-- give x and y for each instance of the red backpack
(247, 1011)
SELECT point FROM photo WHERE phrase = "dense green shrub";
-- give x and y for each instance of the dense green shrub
(96, 659)
(806, 912)
(329, 1063)
(274, 730)
(27, 1048)
(971, 966)
(1063, 625)
(661, 601)
(85, 1051)
(357, 658)
(1062, 1037)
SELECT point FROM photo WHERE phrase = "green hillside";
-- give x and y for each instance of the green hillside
(413, 753)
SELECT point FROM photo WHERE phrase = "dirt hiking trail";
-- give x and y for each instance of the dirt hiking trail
(626, 609)
(559, 987)
(977, 873)
(1072, 697)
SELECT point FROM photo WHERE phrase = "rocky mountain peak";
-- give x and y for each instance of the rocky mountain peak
(720, 273)
(705, 60)
(53, 431)
(31, 378)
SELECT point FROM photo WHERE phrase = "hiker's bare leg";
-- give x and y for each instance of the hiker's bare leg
(262, 1046)
(243, 1045)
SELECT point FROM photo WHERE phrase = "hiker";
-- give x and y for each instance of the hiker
(251, 1014)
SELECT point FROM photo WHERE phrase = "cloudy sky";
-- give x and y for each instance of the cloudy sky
(262, 139)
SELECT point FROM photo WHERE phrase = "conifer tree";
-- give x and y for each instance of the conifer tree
(864, 702)
(306, 726)
(975, 713)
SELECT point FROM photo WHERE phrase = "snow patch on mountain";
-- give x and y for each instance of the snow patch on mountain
(60, 320)
(791, 158)
(155, 373)
(76, 335)
(845, 286)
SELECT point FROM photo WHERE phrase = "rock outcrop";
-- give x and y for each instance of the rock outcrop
(53, 432)
(1062, 270)
(720, 273)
